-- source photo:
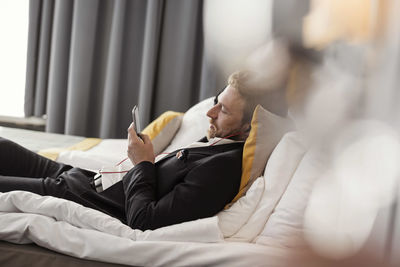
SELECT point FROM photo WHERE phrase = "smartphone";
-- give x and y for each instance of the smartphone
(135, 118)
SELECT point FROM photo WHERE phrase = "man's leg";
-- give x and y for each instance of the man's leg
(22, 169)
(16, 160)
(12, 183)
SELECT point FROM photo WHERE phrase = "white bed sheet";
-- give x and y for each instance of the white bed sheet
(36, 141)
(72, 229)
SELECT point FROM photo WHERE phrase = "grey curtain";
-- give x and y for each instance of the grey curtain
(90, 61)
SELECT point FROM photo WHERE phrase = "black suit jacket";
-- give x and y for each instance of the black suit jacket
(197, 185)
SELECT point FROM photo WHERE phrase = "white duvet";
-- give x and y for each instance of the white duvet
(72, 229)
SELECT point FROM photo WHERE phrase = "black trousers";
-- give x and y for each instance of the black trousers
(22, 169)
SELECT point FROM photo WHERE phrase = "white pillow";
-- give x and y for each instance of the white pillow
(284, 226)
(194, 125)
(107, 152)
(232, 219)
(277, 174)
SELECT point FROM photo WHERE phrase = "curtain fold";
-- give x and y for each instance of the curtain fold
(113, 70)
(40, 16)
(124, 66)
(152, 33)
(59, 62)
(43, 59)
(32, 47)
(83, 40)
(180, 54)
(91, 61)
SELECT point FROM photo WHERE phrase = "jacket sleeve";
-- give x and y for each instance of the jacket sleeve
(205, 190)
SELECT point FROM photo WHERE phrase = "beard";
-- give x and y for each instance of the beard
(211, 131)
(214, 131)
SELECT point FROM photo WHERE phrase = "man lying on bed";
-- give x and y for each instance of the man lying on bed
(188, 184)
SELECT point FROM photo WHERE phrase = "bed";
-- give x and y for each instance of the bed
(37, 141)
(264, 227)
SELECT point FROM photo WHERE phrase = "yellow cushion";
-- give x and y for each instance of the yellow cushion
(267, 130)
(163, 129)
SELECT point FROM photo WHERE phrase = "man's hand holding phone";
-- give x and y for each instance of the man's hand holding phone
(140, 147)
(135, 119)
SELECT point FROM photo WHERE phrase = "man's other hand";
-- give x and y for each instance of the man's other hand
(139, 148)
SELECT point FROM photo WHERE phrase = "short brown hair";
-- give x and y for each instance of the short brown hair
(272, 99)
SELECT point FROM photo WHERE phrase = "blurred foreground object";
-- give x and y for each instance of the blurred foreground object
(331, 20)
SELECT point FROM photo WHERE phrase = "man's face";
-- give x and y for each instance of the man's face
(226, 115)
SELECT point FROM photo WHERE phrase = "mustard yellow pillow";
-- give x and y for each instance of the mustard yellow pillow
(163, 129)
(267, 130)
